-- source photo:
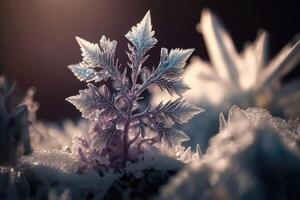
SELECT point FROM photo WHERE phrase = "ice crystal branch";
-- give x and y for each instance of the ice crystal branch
(114, 111)
(141, 36)
(93, 99)
(179, 111)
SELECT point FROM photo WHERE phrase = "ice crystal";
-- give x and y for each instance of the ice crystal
(290, 129)
(241, 76)
(246, 79)
(32, 106)
(14, 134)
(248, 72)
(16, 112)
(46, 136)
(251, 158)
(114, 110)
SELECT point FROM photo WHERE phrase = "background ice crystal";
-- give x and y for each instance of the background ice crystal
(14, 134)
(245, 79)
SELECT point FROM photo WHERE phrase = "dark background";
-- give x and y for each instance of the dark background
(37, 36)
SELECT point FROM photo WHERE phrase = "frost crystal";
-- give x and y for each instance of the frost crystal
(240, 73)
(246, 79)
(114, 111)
(14, 134)
(252, 157)
(46, 137)
(290, 129)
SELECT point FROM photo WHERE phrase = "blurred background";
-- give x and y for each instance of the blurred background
(37, 37)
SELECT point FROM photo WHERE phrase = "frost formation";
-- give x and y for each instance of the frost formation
(247, 79)
(119, 125)
(253, 157)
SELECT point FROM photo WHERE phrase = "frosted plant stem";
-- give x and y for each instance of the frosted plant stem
(131, 100)
(133, 140)
(125, 134)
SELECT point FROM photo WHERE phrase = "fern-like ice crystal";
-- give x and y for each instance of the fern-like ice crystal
(114, 109)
